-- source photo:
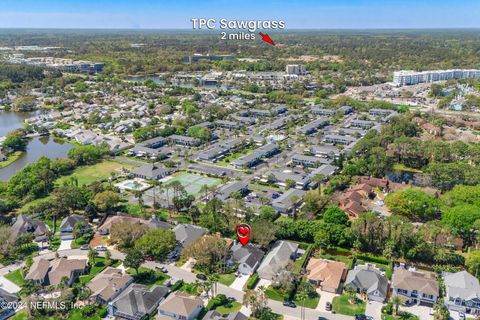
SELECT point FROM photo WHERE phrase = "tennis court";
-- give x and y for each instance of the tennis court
(193, 182)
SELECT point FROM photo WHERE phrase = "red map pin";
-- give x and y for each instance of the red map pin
(243, 233)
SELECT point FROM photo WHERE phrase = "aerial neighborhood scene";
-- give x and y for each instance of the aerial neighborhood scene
(286, 161)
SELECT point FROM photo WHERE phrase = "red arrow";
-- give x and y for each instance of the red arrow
(266, 38)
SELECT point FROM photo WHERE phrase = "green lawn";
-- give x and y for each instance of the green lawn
(148, 277)
(99, 171)
(94, 270)
(229, 308)
(273, 294)
(401, 316)
(11, 159)
(402, 167)
(341, 305)
(16, 277)
(310, 302)
(76, 314)
(227, 279)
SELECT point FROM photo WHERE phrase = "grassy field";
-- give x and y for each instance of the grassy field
(88, 174)
(16, 277)
(343, 306)
(11, 159)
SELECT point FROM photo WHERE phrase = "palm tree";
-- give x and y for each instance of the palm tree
(396, 301)
(213, 279)
(92, 254)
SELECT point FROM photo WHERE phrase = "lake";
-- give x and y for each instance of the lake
(37, 147)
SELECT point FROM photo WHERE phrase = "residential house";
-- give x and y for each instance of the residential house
(155, 223)
(288, 200)
(185, 140)
(326, 274)
(462, 292)
(224, 192)
(186, 234)
(215, 315)
(45, 272)
(247, 257)
(7, 304)
(281, 178)
(68, 223)
(313, 126)
(24, 224)
(281, 254)
(180, 306)
(416, 287)
(105, 228)
(339, 139)
(251, 159)
(137, 302)
(108, 284)
(368, 280)
(309, 161)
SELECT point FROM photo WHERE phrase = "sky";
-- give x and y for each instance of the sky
(298, 14)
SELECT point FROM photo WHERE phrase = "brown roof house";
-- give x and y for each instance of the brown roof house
(180, 305)
(45, 272)
(326, 274)
(415, 287)
(24, 224)
(108, 284)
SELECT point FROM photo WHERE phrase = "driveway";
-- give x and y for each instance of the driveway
(324, 298)
(8, 285)
(374, 310)
(263, 282)
(240, 282)
(65, 245)
(423, 312)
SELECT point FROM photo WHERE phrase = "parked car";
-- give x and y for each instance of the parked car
(101, 248)
(85, 247)
(289, 304)
(362, 317)
(322, 318)
(162, 269)
(201, 277)
(231, 299)
(328, 306)
(461, 316)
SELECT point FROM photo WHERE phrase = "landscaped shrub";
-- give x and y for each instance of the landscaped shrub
(252, 281)
(177, 285)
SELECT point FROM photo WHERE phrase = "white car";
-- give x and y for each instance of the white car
(101, 248)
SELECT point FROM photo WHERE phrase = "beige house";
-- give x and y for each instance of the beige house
(416, 287)
(45, 272)
(179, 306)
(326, 274)
(108, 284)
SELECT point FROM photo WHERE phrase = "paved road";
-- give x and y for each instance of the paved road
(187, 276)
(277, 307)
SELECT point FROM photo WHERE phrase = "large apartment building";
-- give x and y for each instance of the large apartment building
(405, 77)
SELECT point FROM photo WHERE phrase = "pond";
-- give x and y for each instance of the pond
(37, 147)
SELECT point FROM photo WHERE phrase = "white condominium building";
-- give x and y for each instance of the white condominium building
(405, 77)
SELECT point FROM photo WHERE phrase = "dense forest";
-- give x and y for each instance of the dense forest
(338, 57)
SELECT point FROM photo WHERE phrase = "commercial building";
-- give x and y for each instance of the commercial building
(297, 69)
